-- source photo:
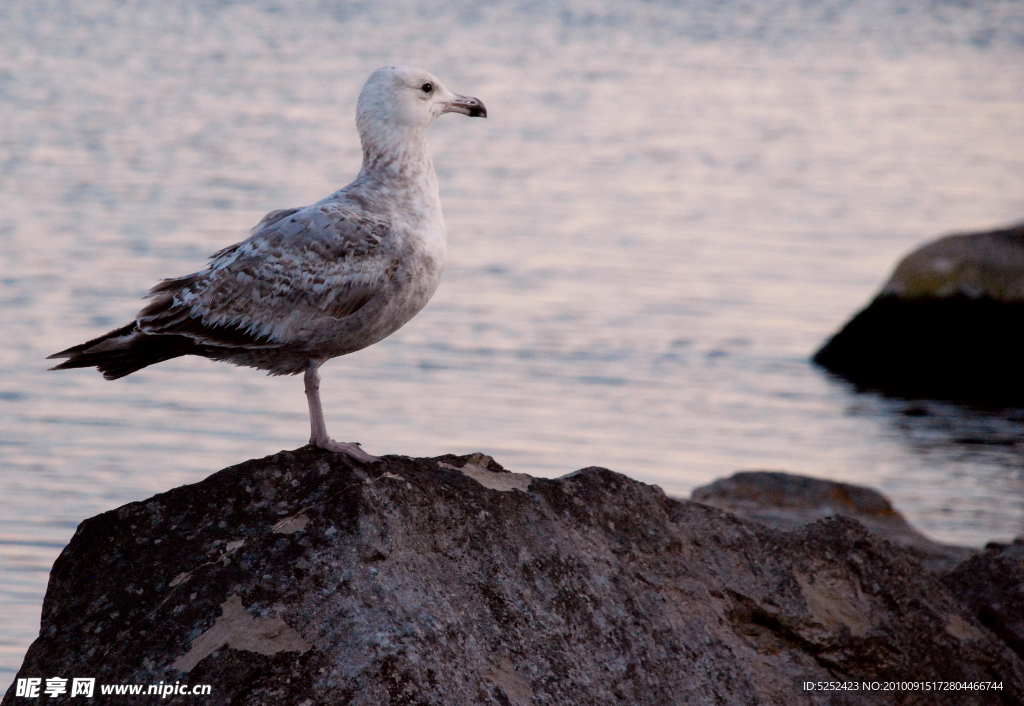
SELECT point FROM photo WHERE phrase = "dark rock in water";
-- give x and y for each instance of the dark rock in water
(949, 324)
(304, 579)
(991, 584)
(957, 348)
(787, 501)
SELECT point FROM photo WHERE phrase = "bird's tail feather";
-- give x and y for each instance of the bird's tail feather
(125, 350)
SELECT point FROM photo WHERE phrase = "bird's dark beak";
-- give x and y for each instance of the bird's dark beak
(467, 105)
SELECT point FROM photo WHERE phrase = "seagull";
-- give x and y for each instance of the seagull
(312, 283)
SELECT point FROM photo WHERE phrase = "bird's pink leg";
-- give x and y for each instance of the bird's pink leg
(318, 428)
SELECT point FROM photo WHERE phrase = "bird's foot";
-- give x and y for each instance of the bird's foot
(350, 449)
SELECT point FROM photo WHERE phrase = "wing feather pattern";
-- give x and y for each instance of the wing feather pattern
(298, 266)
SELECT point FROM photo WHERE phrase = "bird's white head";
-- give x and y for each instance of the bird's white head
(402, 98)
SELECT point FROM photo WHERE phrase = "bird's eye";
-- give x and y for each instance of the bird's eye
(427, 87)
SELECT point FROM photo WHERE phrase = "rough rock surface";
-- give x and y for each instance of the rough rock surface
(949, 324)
(992, 586)
(787, 501)
(304, 579)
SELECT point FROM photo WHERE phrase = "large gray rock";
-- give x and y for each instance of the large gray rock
(303, 579)
(787, 501)
(949, 324)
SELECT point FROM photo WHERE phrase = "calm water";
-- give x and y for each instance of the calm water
(670, 208)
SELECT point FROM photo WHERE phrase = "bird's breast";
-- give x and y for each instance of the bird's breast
(418, 275)
(418, 263)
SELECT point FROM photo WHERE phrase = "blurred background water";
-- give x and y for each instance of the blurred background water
(670, 207)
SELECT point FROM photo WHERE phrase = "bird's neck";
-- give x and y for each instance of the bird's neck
(398, 159)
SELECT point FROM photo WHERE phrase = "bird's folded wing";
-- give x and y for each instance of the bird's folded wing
(300, 265)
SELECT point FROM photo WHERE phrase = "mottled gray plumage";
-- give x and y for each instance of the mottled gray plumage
(317, 282)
